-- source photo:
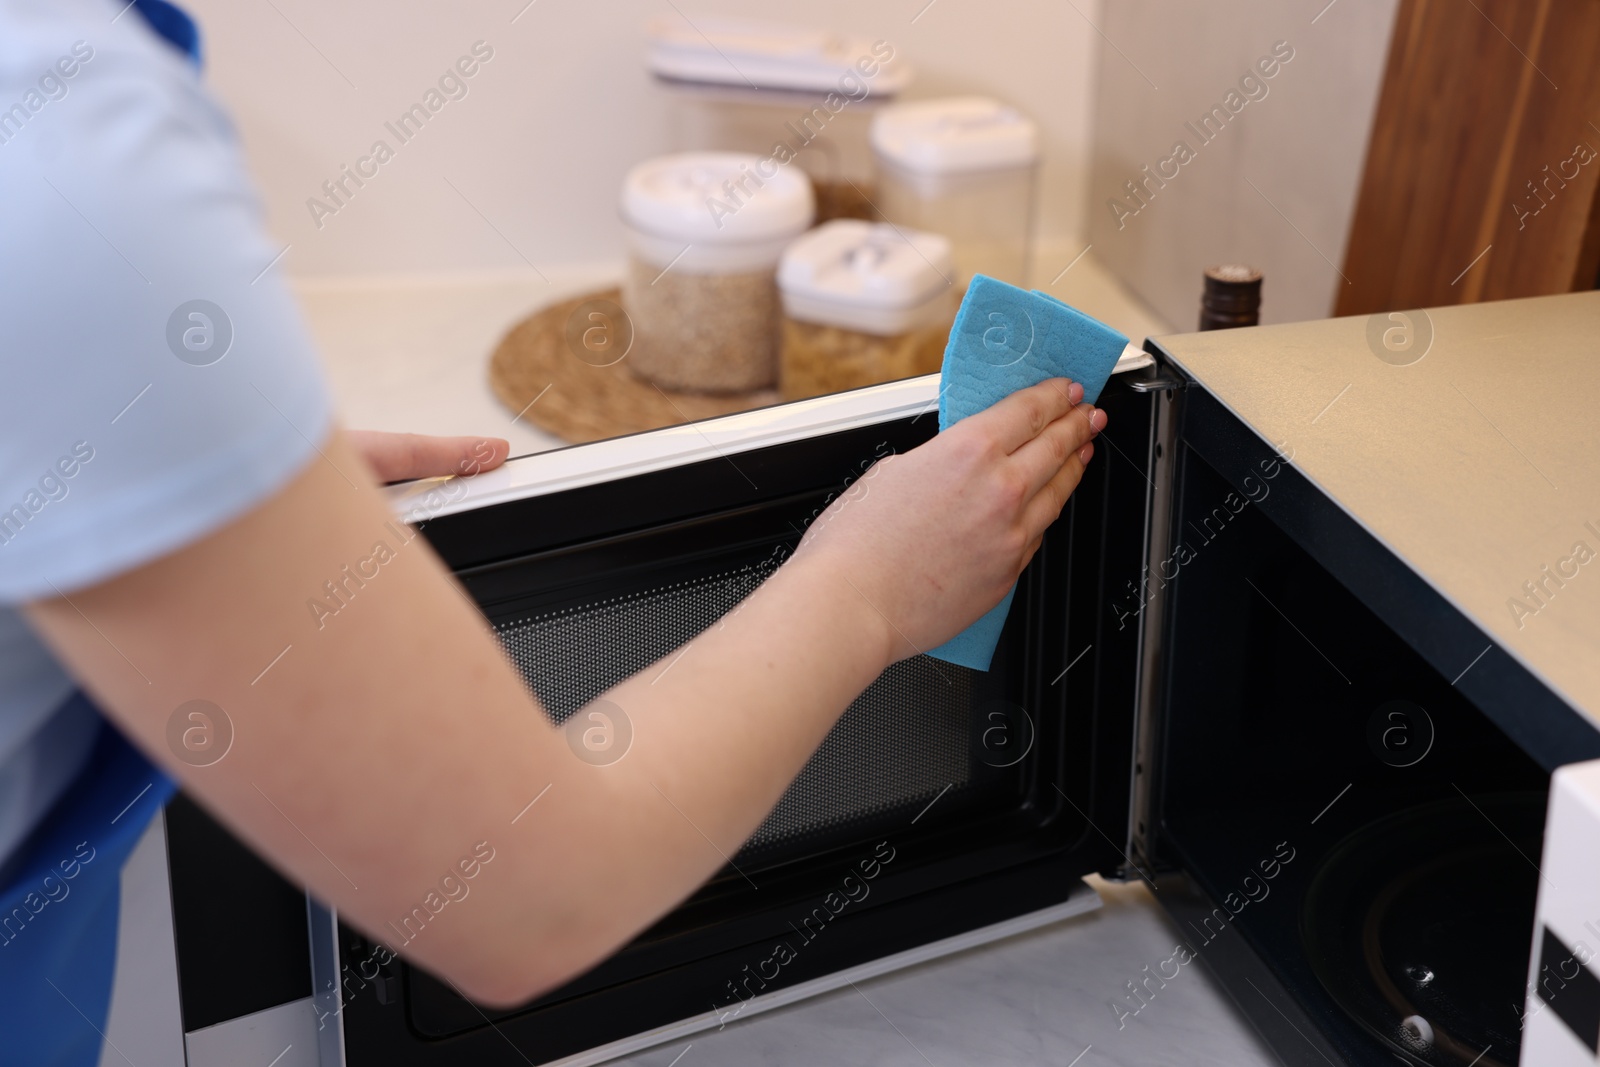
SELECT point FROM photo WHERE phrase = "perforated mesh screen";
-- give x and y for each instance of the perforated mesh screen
(570, 657)
(903, 740)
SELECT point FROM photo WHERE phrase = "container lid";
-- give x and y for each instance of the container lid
(771, 56)
(961, 133)
(864, 276)
(717, 198)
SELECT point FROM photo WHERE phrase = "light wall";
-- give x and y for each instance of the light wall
(1276, 187)
(526, 167)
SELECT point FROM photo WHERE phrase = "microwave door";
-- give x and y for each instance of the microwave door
(992, 793)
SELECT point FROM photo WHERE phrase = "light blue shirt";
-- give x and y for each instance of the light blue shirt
(156, 380)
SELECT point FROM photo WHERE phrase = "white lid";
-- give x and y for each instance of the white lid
(717, 199)
(771, 56)
(955, 134)
(866, 276)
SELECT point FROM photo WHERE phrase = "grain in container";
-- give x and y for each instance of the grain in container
(863, 303)
(963, 167)
(705, 230)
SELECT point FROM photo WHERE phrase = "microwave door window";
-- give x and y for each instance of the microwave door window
(903, 741)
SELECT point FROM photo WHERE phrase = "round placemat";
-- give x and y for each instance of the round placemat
(556, 370)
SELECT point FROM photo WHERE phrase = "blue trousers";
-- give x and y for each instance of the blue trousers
(58, 907)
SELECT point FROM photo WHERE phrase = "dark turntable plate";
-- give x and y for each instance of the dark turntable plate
(1419, 927)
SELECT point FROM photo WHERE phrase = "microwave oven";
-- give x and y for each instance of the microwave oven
(1301, 653)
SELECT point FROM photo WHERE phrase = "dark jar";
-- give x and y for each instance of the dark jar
(1232, 297)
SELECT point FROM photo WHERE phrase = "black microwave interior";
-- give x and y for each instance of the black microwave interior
(1335, 797)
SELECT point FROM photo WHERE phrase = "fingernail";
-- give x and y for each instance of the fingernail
(1075, 392)
(1097, 420)
(1085, 454)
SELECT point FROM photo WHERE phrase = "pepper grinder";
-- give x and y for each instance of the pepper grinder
(1232, 297)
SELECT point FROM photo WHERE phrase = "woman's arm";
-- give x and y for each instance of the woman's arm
(377, 748)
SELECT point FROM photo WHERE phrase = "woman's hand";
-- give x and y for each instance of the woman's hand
(398, 457)
(934, 538)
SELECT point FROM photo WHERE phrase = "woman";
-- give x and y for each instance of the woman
(175, 488)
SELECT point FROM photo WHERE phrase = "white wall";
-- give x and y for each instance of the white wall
(550, 124)
(1302, 146)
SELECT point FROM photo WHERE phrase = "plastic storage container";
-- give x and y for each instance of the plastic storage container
(705, 230)
(963, 167)
(863, 303)
(801, 96)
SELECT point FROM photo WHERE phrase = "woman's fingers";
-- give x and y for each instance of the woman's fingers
(396, 457)
(1025, 414)
(1041, 458)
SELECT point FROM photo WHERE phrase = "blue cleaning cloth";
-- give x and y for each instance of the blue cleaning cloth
(1005, 339)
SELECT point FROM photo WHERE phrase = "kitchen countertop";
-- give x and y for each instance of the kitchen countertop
(410, 354)
(1043, 997)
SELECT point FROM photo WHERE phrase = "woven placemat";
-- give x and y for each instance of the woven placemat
(535, 370)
